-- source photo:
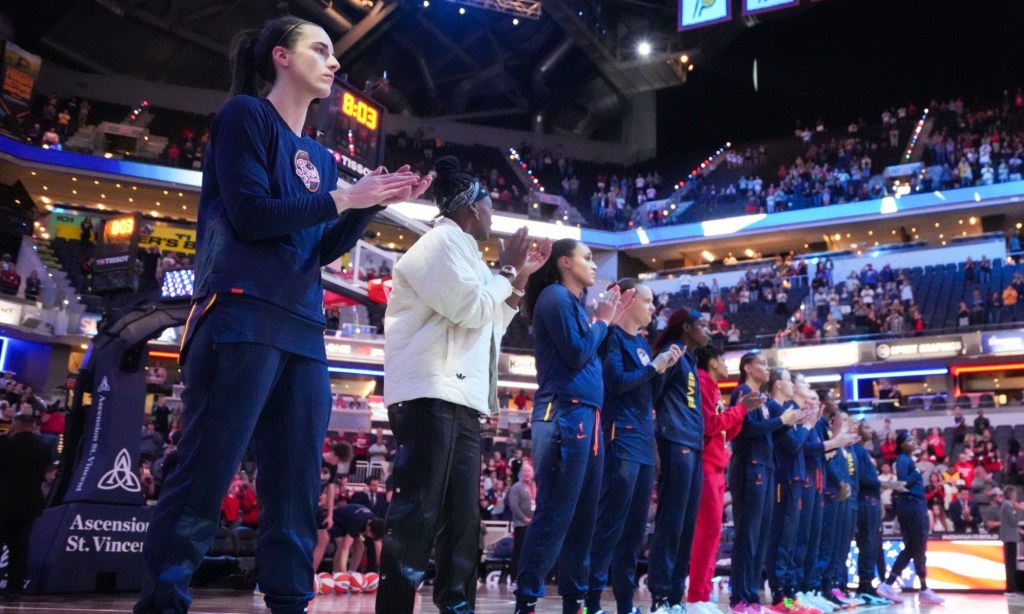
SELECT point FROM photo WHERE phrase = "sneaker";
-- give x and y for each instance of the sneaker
(662, 607)
(800, 608)
(873, 600)
(739, 608)
(841, 597)
(678, 609)
(851, 598)
(756, 608)
(814, 601)
(526, 605)
(704, 607)
(886, 591)
(929, 597)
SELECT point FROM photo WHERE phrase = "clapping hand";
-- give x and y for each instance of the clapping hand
(667, 358)
(612, 304)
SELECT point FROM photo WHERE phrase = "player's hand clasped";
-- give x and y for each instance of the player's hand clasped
(380, 188)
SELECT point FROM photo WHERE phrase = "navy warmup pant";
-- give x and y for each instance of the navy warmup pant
(751, 485)
(236, 392)
(913, 517)
(780, 562)
(869, 539)
(679, 489)
(829, 519)
(846, 525)
(626, 488)
(568, 454)
(808, 538)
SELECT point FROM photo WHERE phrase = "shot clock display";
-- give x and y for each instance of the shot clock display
(349, 124)
(114, 265)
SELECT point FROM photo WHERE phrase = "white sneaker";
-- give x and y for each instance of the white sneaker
(816, 600)
(887, 591)
(663, 609)
(709, 607)
(679, 609)
(929, 597)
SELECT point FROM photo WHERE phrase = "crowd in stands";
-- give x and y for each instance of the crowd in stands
(969, 147)
(964, 469)
(11, 282)
(418, 151)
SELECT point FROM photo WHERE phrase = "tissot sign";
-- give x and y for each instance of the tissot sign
(926, 348)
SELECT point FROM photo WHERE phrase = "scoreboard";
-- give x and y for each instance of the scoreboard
(114, 265)
(349, 124)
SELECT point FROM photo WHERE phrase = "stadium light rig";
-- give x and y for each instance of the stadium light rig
(644, 49)
(703, 165)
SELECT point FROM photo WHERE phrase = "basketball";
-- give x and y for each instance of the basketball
(326, 582)
(370, 582)
(356, 582)
(341, 583)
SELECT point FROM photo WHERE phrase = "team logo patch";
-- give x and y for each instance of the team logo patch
(642, 355)
(306, 171)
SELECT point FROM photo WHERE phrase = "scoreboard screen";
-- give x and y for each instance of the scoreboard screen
(114, 264)
(349, 124)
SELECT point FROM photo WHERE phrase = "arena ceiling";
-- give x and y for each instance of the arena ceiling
(575, 64)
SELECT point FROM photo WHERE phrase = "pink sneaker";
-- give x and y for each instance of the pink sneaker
(740, 608)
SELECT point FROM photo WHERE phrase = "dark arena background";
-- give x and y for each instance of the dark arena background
(836, 184)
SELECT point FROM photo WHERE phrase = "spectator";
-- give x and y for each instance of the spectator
(981, 486)
(10, 281)
(981, 422)
(937, 443)
(23, 463)
(32, 285)
(86, 232)
(888, 448)
(960, 427)
(373, 499)
(965, 469)
(521, 500)
(152, 443)
(521, 400)
(938, 520)
(965, 513)
(379, 453)
(361, 446)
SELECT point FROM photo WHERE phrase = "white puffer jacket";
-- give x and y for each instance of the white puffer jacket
(446, 310)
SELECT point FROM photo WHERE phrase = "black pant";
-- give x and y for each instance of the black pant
(913, 517)
(435, 503)
(518, 536)
(1010, 559)
(15, 534)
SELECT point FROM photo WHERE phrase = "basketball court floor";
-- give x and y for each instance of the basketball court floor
(490, 600)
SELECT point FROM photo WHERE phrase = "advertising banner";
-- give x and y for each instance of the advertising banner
(108, 470)
(82, 547)
(752, 7)
(935, 347)
(21, 69)
(167, 237)
(700, 13)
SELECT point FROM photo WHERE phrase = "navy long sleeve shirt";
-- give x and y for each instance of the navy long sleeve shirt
(789, 443)
(906, 471)
(267, 222)
(627, 418)
(814, 448)
(566, 348)
(677, 408)
(867, 473)
(755, 443)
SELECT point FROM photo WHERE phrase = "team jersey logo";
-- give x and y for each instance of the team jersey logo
(306, 171)
(642, 355)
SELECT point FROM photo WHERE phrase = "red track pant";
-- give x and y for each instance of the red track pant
(708, 535)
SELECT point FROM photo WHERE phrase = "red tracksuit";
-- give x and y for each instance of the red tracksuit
(720, 425)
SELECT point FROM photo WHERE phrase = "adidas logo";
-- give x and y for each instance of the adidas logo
(460, 376)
